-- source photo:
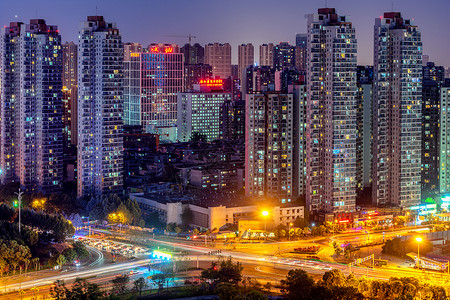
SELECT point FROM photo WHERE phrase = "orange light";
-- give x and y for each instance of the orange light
(168, 50)
(154, 49)
(134, 54)
(344, 221)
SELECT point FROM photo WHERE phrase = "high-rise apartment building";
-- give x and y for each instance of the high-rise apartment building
(430, 137)
(194, 73)
(444, 140)
(269, 141)
(129, 48)
(266, 55)
(433, 72)
(70, 92)
(100, 108)
(152, 80)
(301, 42)
(433, 80)
(232, 120)
(31, 107)
(218, 56)
(246, 57)
(199, 111)
(397, 115)
(364, 128)
(283, 56)
(258, 79)
(193, 54)
(330, 144)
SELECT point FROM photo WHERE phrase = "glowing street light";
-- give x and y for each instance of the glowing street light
(289, 233)
(265, 214)
(418, 240)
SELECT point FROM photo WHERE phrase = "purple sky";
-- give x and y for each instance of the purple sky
(234, 21)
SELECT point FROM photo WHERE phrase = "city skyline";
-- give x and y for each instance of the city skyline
(271, 22)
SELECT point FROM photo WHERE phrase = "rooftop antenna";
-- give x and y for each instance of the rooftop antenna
(392, 6)
(96, 11)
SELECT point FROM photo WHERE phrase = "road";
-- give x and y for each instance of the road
(260, 264)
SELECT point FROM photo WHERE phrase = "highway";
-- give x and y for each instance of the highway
(264, 266)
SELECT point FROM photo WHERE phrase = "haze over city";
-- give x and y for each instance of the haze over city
(234, 21)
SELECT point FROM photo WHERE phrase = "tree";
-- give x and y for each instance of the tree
(35, 262)
(334, 278)
(69, 254)
(227, 291)
(120, 283)
(61, 260)
(161, 279)
(170, 227)
(80, 250)
(81, 289)
(178, 230)
(140, 284)
(298, 285)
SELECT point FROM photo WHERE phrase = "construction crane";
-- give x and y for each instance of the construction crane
(190, 37)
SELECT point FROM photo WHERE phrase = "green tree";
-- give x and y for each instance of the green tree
(178, 230)
(120, 283)
(298, 285)
(61, 260)
(80, 250)
(139, 285)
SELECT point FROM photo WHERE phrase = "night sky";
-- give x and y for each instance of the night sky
(234, 21)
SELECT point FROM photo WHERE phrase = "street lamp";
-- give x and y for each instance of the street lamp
(418, 240)
(265, 213)
(19, 198)
(290, 224)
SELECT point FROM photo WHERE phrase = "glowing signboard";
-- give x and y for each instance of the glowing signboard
(162, 255)
(134, 54)
(211, 82)
(156, 49)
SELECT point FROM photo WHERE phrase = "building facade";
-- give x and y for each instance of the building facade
(199, 112)
(194, 73)
(194, 54)
(31, 107)
(152, 81)
(430, 137)
(444, 140)
(266, 55)
(218, 56)
(269, 142)
(330, 144)
(283, 56)
(100, 108)
(397, 111)
(246, 57)
(301, 51)
(70, 92)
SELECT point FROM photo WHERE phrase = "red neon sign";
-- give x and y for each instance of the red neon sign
(344, 221)
(154, 49)
(211, 82)
(168, 50)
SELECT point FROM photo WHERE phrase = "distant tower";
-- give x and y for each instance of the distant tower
(218, 56)
(100, 108)
(31, 107)
(397, 111)
(246, 57)
(266, 55)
